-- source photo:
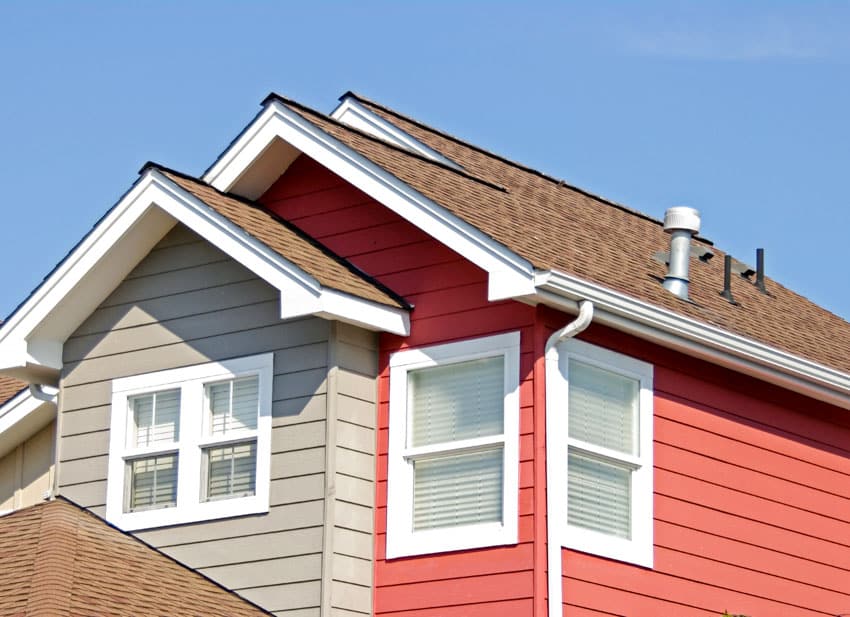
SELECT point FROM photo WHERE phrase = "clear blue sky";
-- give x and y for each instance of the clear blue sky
(741, 110)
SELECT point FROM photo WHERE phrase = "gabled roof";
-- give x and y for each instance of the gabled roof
(311, 279)
(560, 227)
(58, 559)
(331, 270)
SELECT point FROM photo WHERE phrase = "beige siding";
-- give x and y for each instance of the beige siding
(187, 303)
(26, 472)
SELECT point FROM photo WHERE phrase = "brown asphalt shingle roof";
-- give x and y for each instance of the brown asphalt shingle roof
(60, 560)
(9, 387)
(287, 241)
(559, 227)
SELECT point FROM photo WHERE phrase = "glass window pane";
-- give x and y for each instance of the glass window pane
(457, 401)
(599, 496)
(153, 482)
(231, 470)
(460, 489)
(156, 418)
(234, 405)
(603, 408)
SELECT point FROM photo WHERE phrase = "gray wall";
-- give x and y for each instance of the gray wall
(188, 303)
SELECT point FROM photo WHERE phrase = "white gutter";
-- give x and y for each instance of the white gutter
(578, 325)
(697, 339)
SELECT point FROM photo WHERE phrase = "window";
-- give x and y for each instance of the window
(190, 444)
(453, 451)
(599, 412)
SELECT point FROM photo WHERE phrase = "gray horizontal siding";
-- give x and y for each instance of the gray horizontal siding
(187, 303)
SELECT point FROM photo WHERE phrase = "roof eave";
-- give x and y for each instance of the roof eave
(695, 338)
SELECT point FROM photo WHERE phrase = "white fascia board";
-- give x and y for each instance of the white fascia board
(363, 313)
(20, 417)
(36, 332)
(509, 274)
(351, 112)
(698, 339)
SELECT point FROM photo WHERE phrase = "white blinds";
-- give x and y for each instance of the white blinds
(603, 408)
(156, 418)
(153, 482)
(461, 489)
(448, 404)
(234, 405)
(231, 470)
(599, 496)
(457, 401)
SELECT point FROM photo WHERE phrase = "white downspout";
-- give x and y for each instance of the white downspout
(553, 491)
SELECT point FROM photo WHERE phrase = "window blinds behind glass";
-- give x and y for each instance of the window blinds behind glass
(233, 405)
(457, 401)
(231, 470)
(461, 489)
(603, 408)
(156, 417)
(599, 496)
(153, 482)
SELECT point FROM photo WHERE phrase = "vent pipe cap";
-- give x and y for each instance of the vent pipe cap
(681, 218)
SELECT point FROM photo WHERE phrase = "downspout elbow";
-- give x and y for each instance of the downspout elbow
(43, 392)
(575, 327)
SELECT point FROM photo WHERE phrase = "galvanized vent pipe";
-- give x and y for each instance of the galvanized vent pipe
(682, 223)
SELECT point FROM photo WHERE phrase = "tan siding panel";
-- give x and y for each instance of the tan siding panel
(352, 569)
(298, 489)
(349, 596)
(357, 386)
(353, 543)
(298, 463)
(356, 411)
(354, 490)
(270, 572)
(357, 464)
(357, 359)
(85, 445)
(77, 422)
(355, 437)
(295, 595)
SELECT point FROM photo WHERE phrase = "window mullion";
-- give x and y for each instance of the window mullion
(454, 447)
(189, 462)
(606, 454)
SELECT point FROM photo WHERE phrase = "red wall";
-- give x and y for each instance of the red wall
(745, 473)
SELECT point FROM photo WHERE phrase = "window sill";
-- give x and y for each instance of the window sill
(194, 513)
(450, 539)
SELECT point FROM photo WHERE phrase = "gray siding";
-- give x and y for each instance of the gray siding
(188, 303)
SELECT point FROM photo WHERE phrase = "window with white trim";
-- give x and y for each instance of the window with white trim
(190, 444)
(453, 451)
(600, 408)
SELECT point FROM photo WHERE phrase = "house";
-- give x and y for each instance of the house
(361, 366)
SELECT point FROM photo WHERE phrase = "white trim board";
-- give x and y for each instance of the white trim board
(31, 340)
(509, 274)
(354, 114)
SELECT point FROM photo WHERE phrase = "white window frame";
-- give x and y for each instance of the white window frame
(402, 540)
(639, 548)
(193, 439)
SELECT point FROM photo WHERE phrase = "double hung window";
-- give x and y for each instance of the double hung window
(600, 415)
(453, 446)
(190, 444)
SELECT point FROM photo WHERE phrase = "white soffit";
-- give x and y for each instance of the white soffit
(509, 274)
(21, 417)
(352, 113)
(31, 340)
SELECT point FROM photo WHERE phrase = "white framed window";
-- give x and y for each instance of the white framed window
(190, 444)
(599, 413)
(453, 446)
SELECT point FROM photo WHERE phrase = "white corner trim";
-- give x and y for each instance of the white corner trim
(698, 339)
(402, 540)
(510, 274)
(351, 112)
(191, 381)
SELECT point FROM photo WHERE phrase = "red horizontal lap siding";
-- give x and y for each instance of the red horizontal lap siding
(450, 299)
(752, 483)
(752, 501)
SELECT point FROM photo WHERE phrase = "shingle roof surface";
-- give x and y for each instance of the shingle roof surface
(9, 387)
(57, 559)
(287, 241)
(558, 227)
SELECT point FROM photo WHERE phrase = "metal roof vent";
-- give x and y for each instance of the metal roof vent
(682, 223)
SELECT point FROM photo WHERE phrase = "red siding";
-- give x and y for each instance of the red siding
(450, 298)
(752, 484)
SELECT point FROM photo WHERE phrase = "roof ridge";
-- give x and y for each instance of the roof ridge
(292, 227)
(507, 161)
(369, 136)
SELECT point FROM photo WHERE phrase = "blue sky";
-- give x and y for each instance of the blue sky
(737, 109)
